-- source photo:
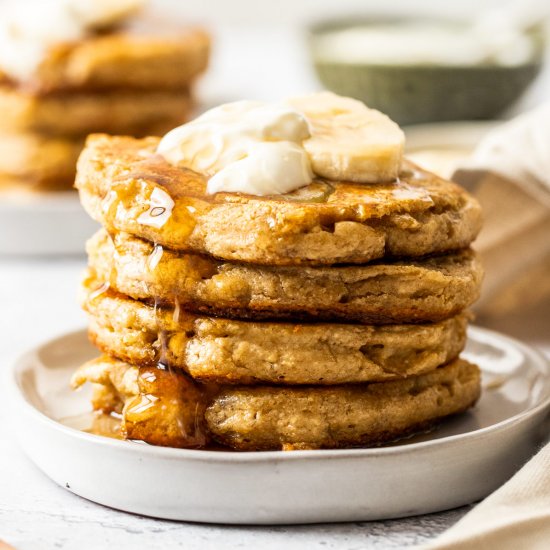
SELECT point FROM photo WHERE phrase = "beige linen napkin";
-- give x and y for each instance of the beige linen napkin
(515, 517)
(510, 175)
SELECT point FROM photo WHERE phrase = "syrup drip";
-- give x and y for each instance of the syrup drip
(113, 272)
(176, 182)
(167, 396)
(107, 425)
(160, 209)
(154, 258)
(404, 191)
(104, 287)
(95, 422)
(169, 410)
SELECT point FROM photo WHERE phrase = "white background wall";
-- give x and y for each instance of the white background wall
(260, 47)
(304, 11)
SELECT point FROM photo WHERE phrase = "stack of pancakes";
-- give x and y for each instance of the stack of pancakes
(332, 316)
(125, 81)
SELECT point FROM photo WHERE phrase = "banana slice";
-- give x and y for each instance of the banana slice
(98, 14)
(349, 141)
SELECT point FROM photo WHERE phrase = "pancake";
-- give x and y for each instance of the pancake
(39, 160)
(266, 418)
(77, 114)
(243, 352)
(127, 187)
(138, 58)
(428, 289)
(159, 408)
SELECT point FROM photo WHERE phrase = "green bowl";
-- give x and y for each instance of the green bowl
(411, 94)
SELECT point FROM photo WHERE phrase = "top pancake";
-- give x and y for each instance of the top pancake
(145, 55)
(127, 187)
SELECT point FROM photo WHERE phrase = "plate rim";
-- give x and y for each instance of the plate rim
(17, 393)
(419, 135)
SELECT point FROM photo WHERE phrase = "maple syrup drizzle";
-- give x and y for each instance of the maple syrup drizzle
(167, 394)
(95, 422)
(177, 198)
(104, 287)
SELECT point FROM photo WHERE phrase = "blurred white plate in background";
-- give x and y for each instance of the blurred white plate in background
(43, 224)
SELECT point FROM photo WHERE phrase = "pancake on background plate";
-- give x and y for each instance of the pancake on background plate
(69, 68)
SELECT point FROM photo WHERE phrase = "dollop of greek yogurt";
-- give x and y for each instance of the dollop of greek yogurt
(424, 43)
(247, 146)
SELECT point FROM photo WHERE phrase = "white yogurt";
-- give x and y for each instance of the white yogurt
(28, 28)
(424, 43)
(247, 146)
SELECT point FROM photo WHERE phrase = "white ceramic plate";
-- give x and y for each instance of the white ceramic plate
(43, 223)
(464, 460)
